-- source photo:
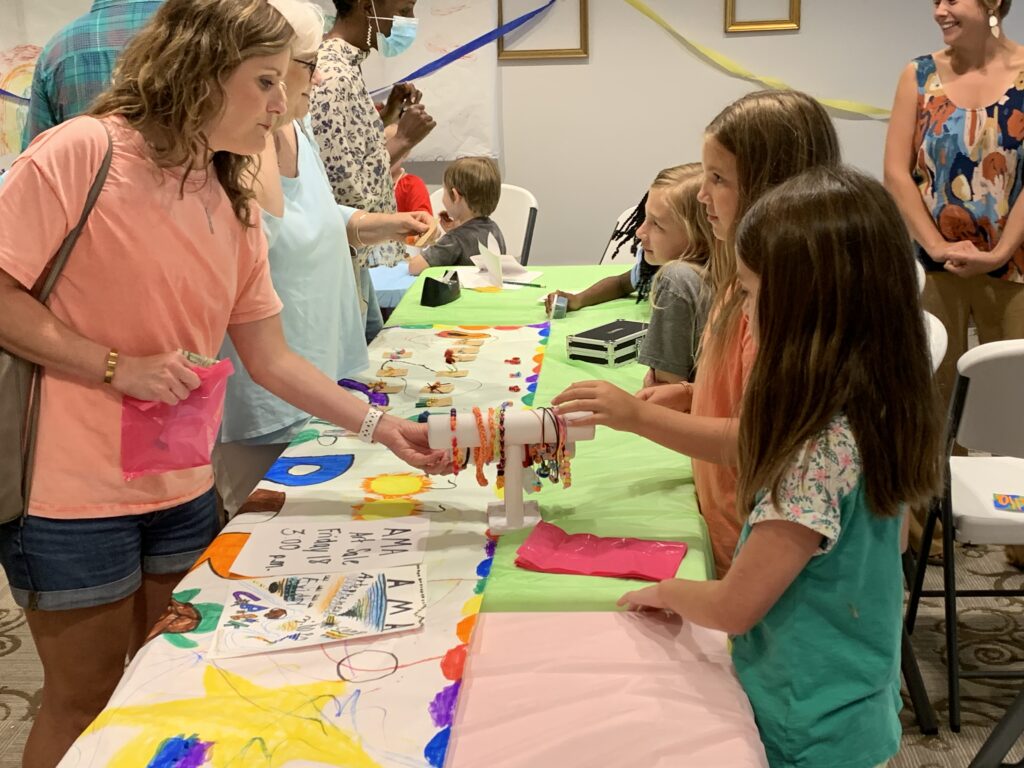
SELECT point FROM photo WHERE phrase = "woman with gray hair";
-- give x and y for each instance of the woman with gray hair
(309, 237)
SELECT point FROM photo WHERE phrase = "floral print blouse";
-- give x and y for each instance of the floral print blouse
(828, 470)
(969, 165)
(350, 133)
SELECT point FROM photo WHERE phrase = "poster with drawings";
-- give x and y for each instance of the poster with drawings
(296, 611)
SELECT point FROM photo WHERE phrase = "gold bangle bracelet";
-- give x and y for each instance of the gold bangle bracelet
(112, 356)
(355, 227)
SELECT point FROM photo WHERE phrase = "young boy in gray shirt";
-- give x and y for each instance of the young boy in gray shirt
(472, 188)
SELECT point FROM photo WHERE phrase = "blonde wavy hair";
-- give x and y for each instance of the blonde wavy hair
(681, 184)
(169, 82)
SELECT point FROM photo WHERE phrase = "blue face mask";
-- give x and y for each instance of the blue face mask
(403, 33)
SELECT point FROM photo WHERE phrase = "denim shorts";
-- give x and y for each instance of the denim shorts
(57, 565)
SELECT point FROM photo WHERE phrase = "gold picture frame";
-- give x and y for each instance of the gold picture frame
(733, 24)
(561, 48)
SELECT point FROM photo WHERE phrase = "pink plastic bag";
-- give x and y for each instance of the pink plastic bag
(156, 437)
(550, 549)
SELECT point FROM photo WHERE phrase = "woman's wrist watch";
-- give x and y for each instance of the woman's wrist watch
(369, 426)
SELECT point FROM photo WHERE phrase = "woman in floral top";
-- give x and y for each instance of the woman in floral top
(350, 131)
(815, 587)
(955, 164)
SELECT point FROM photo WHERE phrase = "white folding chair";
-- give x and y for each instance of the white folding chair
(624, 256)
(988, 382)
(938, 339)
(516, 217)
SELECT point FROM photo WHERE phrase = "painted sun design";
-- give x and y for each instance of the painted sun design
(381, 509)
(397, 486)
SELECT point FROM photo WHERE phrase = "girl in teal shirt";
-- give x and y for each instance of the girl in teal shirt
(834, 403)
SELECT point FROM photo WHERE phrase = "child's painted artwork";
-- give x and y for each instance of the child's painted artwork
(297, 611)
(332, 547)
(16, 67)
(362, 702)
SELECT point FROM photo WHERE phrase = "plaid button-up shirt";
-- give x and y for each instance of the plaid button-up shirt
(77, 63)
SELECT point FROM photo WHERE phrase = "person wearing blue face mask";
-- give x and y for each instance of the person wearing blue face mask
(350, 129)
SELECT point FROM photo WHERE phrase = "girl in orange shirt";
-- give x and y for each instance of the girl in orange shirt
(754, 144)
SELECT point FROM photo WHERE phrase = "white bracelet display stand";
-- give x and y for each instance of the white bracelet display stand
(522, 428)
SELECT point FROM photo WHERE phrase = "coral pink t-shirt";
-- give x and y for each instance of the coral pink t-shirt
(153, 271)
(718, 391)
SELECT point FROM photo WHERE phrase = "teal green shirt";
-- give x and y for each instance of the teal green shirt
(822, 668)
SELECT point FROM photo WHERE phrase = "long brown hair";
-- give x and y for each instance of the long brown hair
(168, 83)
(840, 330)
(773, 135)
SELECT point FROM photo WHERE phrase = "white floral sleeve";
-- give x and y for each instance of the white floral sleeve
(829, 468)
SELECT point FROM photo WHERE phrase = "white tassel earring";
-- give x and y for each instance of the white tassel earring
(993, 24)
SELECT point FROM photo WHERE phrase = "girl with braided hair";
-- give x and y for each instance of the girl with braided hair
(675, 195)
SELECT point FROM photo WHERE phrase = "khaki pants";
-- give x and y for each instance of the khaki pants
(997, 307)
(238, 467)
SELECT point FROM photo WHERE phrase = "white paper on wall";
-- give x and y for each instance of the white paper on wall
(462, 97)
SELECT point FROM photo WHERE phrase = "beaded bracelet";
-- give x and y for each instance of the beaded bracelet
(500, 481)
(455, 443)
(563, 454)
(480, 457)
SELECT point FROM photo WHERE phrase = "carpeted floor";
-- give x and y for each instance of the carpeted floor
(992, 633)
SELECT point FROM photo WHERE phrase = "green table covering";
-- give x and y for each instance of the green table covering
(623, 485)
(509, 307)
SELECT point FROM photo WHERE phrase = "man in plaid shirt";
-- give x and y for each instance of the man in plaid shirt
(77, 63)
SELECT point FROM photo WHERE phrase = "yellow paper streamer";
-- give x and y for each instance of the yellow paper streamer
(730, 67)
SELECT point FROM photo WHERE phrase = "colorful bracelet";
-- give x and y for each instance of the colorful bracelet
(500, 481)
(455, 443)
(480, 457)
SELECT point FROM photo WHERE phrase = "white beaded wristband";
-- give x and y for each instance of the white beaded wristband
(369, 425)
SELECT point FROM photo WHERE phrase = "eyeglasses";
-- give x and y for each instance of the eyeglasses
(310, 65)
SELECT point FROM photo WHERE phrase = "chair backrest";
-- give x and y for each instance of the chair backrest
(516, 217)
(624, 256)
(938, 339)
(985, 400)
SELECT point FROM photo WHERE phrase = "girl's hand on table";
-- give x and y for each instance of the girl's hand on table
(648, 598)
(678, 397)
(607, 404)
(572, 298)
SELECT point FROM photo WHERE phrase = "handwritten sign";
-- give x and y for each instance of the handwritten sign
(323, 546)
(1008, 502)
(298, 611)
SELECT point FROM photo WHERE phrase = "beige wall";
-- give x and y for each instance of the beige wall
(588, 137)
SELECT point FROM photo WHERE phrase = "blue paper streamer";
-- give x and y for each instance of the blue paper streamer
(467, 48)
(13, 97)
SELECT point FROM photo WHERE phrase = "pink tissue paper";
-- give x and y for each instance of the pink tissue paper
(551, 550)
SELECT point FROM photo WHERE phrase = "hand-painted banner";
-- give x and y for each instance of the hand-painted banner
(847, 108)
